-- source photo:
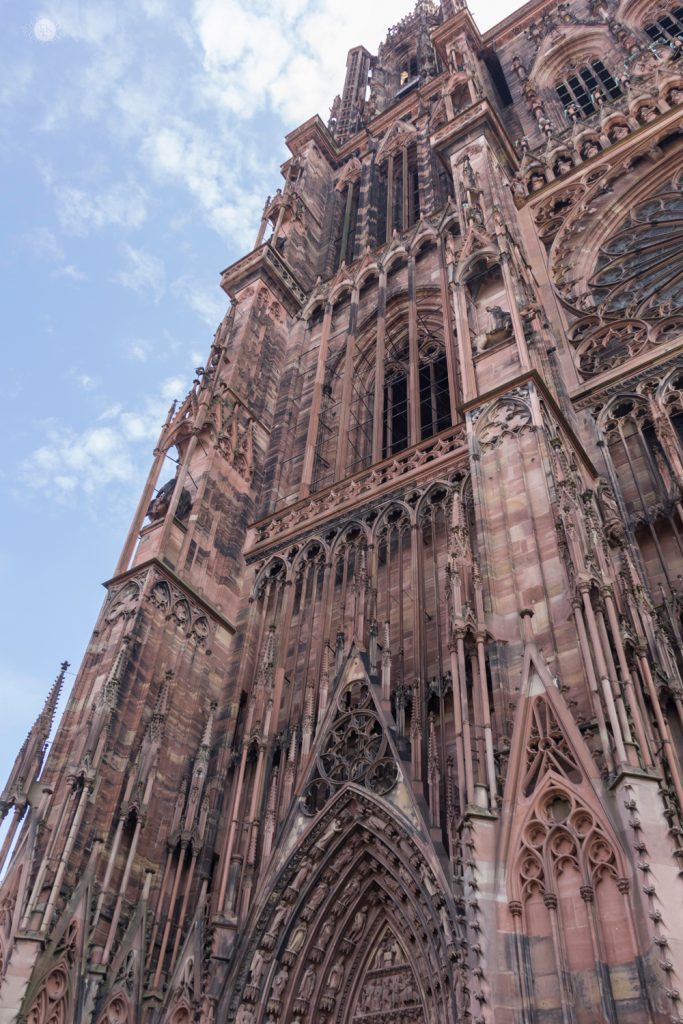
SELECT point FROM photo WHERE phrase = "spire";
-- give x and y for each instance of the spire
(271, 814)
(324, 681)
(29, 761)
(386, 663)
(199, 770)
(309, 715)
(265, 676)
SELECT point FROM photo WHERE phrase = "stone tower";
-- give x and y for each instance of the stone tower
(382, 718)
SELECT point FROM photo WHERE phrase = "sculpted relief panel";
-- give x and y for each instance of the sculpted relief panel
(389, 993)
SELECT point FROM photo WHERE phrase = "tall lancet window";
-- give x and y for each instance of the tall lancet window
(395, 425)
(435, 402)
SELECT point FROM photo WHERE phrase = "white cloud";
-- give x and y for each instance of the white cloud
(107, 454)
(124, 205)
(143, 272)
(70, 271)
(138, 349)
(84, 380)
(209, 303)
(44, 245)
(16, 79)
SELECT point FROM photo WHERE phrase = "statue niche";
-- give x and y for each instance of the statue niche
(487, 304)
(160, 504)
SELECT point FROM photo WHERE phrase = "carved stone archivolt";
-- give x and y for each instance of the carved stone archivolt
(358, 926)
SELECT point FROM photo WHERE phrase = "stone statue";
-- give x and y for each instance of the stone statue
(357, 926)
(258, 965)
(297, 939)
(280, 983)
(307, 983)
(335, 976)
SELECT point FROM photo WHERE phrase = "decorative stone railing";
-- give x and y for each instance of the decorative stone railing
(345, 493)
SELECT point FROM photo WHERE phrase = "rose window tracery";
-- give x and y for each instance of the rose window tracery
(355, 750)
(639, 271)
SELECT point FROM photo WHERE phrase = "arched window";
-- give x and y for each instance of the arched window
(585, 86)
(435, 402)
(395, 426)
(345, 243)
(432, 397)
(397, 194)
(667, 28)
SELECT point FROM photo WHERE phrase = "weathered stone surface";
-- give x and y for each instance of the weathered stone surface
(382, 717)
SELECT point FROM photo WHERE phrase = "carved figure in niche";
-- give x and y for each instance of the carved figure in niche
(159, 505)
(618, 132)
(296, 940)
(274, 928)
(499, 327)
(280, 983)
(319, 893)
(258, 966)
(562, 165)
(332, 830)
(244, 1015)
(536, 181)
(301, 875)
(335, 976)
(350, 892)
(451, 248)
(589, 149)
(326, 934)
(357, 925)
(614, 525)
(675, 96)
(646, 114)
(468, 174)
(307, 983)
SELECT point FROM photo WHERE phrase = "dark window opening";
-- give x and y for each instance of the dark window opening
(668, 28)
(435, 403)
(395, 426)
(381, 204)
(583, 88)
(347, 226)
(497, 77)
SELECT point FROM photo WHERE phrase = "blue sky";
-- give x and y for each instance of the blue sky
(138, 141)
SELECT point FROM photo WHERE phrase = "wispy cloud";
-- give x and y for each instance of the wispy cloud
(208, 303)
(104, 454)
(123, 205)
(43, 244)
(142, 272)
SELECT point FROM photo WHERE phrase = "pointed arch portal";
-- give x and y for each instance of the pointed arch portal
(355, 922)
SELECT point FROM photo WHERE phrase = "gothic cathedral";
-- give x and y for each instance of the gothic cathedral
(381, 721)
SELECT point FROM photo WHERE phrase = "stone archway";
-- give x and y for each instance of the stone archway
(359, 916)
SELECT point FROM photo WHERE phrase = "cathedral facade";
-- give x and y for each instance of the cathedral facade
(381, 721)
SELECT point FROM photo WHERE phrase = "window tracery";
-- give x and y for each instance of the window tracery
(667, 28)
(639, 271)
(355, 750)
(586, 86)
